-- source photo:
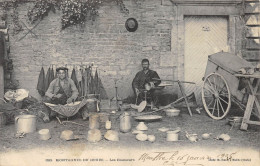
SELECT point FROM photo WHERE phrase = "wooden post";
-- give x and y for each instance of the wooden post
(185, 97)
(2, 56)
(249, 107)
(1, 81)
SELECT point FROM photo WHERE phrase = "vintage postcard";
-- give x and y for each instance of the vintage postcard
(129, 82)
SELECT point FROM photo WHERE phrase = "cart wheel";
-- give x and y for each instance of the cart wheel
(216, 96)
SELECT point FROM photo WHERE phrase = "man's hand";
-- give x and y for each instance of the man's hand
(137, 91)
(152, 84)
(69, 100)
(57, 96)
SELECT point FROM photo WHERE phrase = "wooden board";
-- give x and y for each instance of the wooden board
(251, 55)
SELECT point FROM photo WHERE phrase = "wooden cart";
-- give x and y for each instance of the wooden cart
(222, 84)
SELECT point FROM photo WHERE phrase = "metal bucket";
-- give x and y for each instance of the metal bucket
(91, 105)
(25, 123)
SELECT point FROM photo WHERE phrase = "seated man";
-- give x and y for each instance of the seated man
(61, 90)
(146, 77)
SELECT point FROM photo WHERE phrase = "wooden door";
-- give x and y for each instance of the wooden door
(204, 35)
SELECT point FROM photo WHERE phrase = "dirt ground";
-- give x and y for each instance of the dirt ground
(197, 124)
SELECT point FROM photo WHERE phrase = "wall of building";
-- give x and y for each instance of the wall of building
(116, 52)
(106, 42)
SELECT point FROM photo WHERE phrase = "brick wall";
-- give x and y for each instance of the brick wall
(106, 42)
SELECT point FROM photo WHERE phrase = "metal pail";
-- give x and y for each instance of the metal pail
(25, 123)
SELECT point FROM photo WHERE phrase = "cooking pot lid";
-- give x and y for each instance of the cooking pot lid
(148, 117)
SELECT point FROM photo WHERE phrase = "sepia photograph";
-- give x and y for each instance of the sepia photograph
(129, 82)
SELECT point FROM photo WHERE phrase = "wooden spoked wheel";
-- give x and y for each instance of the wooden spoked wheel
(216, 97)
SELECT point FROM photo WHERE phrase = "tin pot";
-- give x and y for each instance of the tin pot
(172, 136)
(44, 134)
(25, 123)
(91, 105)
(108, 125)
(125, 122)
(172, 112)
(94, 121)
(235, 121)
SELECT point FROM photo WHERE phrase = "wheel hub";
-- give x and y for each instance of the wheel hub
(216, 94)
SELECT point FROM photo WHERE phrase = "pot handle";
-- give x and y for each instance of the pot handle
(16, 119)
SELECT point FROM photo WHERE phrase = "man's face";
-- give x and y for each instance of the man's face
(145, 65)
(61, 74)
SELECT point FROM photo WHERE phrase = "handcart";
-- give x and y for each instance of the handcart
(223, 85)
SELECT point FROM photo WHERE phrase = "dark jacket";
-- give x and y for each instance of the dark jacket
(141, 79)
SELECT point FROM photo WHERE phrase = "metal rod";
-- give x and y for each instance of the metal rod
(175, 81)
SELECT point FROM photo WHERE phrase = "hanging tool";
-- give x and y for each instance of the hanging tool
(30, 31)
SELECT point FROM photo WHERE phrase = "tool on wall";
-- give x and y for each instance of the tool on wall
(29, 30)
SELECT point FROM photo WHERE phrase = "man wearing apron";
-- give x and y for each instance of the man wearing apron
(62, 90)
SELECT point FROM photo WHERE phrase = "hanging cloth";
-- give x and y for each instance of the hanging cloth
(47, 79)
(82, 82)
(92, 84)
(79, 79)
(96, 83)
(74, 78)
(41, 83)
(86, 78)
(55, 75)
(52, 74)
(78, 75)
(102, 91)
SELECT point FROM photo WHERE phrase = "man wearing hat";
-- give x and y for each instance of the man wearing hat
(145, 77)
(61, 90)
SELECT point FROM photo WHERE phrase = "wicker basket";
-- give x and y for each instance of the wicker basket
(67, 110)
